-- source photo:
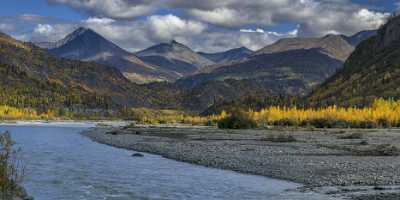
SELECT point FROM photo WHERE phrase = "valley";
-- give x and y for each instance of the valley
(190, 81)
(125, 91)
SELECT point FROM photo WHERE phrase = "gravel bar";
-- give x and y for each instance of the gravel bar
(319, 159)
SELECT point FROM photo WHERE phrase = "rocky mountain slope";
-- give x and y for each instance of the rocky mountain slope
(174, 57)
(86, 45)
(372, 71)
(291, 72)
(228, 56)
(336, 46)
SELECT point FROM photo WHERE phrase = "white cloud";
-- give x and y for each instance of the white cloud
(315, 17)
(370, 18)
(110, 8)
(140, 34)
(258, 30)
(96, 20)
(50, 33)
(219, 16)
(44, 29)
(169, 26)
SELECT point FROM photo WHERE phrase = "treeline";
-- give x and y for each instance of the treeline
(255, 102)
(381, 114)
(12, 113)
(155, 116)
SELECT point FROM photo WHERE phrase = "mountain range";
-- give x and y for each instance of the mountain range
(172, 61)
(289, 66)
(86, 45)
(91, 70)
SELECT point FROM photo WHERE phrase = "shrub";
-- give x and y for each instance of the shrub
(285, 122)
(366, 124)
(280, 138)
(351, 136)
(383, 123)
(238, 119)
(11, 169)
(321, 123)
(342, 124)
(380, 150)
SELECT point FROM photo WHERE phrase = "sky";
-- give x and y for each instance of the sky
(204, 25)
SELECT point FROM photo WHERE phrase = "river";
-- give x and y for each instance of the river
(61, 164)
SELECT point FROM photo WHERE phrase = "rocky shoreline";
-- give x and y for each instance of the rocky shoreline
(23, 195)
(338, 162)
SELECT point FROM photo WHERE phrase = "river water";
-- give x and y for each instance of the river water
(63, 165)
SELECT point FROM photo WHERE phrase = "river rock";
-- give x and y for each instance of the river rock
(138, 133)
(137, 155)
(112, 132)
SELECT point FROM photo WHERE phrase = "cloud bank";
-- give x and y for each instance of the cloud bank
(206, 25)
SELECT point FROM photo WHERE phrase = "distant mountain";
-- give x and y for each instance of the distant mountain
(86, 45)
(335, 46)
(357, 38)
(45, 45)
(288, 72)
(227, 56)
(372, 71)
(175, 58)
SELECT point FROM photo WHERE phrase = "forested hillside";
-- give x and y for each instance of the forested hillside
(30, 77)
(372, 71)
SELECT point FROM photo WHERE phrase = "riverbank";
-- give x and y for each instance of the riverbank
(352, 162)
(23, 195)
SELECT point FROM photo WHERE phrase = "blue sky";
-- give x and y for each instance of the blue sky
(38, 7)
(206, 25)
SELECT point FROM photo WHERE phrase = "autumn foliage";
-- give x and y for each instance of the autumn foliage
(382, 113)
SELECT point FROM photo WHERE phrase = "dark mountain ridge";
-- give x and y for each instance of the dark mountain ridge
(229, 55)
(372, 71)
